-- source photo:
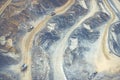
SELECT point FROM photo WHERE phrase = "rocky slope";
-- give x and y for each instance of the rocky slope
(59, 40)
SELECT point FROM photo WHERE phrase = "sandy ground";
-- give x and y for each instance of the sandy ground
(106, 61)
(28, 39)
(5, 6)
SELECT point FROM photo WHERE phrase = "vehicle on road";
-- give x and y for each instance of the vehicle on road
(24, 67)
(31, 28)
(53, 13)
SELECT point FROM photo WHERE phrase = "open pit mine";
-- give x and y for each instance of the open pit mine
(59, 39)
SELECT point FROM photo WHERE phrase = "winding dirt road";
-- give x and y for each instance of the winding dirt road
(27, 41)
(103, 58)
(57, 57)
(5, 6)
(107, 61)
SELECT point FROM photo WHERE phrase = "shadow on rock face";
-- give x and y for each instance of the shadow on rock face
(5, 77)
(6, 60)
(114, 38)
